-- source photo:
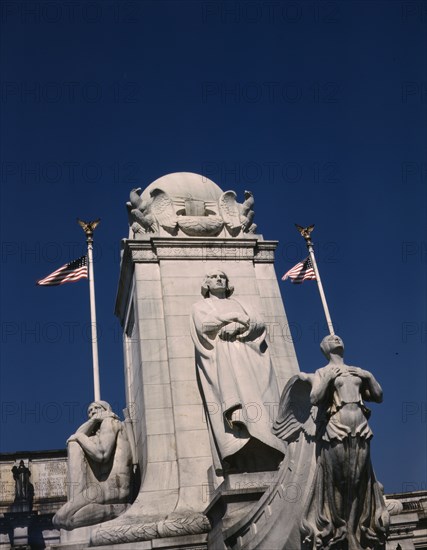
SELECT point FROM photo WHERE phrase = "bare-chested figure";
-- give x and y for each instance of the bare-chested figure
(346, 503)
(348, 386)
(99, 470)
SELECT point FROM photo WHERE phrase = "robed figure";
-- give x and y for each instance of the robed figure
(236, 379)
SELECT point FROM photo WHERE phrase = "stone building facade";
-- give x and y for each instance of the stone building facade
(28, 525)
(32, 529)
(408, 529)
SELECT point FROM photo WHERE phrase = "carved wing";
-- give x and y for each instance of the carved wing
(247, 214)
(131, 217)
(162, 208)
(296, 413)
(248, 204)
(229, 211)
(139, 220)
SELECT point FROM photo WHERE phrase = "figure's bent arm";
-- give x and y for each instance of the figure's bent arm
(88, 427)
(321, 382)
(100, 447)
(208, 324)
(373, 390)
(216, 322)
(370, 390)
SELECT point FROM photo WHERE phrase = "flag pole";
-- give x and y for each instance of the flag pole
(306, 234)
(88, 228)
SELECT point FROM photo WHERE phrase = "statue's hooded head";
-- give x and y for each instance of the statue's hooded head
(332, 344)
(100, 408)
(229, 289)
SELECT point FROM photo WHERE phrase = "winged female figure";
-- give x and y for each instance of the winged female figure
(345, 508)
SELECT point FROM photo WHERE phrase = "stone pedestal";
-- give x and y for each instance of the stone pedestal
(159, 282)
(234, 499)
(77, 538)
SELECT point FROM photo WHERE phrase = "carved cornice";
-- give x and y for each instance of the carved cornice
(205, 249)
(400, 531)
(209, 248)
(155, 249)
(264, 252)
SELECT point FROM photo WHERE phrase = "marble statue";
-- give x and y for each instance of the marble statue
(237, 216)
(23, 487)
(99, 470)
(194, 217)
(237, 382)
(345, 505)
(152, 213)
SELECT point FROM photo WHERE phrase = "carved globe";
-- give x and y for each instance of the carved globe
(185, 185)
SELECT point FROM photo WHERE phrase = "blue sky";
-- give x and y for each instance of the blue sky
(319, 108)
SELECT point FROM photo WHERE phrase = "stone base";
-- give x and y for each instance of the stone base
(77, 539)
(68, 546)
(189, 542)
(233, 499)
(273, 521)
(81, 535)
(129, 529)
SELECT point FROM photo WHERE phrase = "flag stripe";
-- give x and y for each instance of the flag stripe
(68, 273)
(301, 272)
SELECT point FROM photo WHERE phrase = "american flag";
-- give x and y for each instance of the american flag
(301, 272)
(68, 273)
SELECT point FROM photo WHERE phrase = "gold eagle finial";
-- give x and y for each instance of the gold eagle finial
(88, 227)
(305, 232)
